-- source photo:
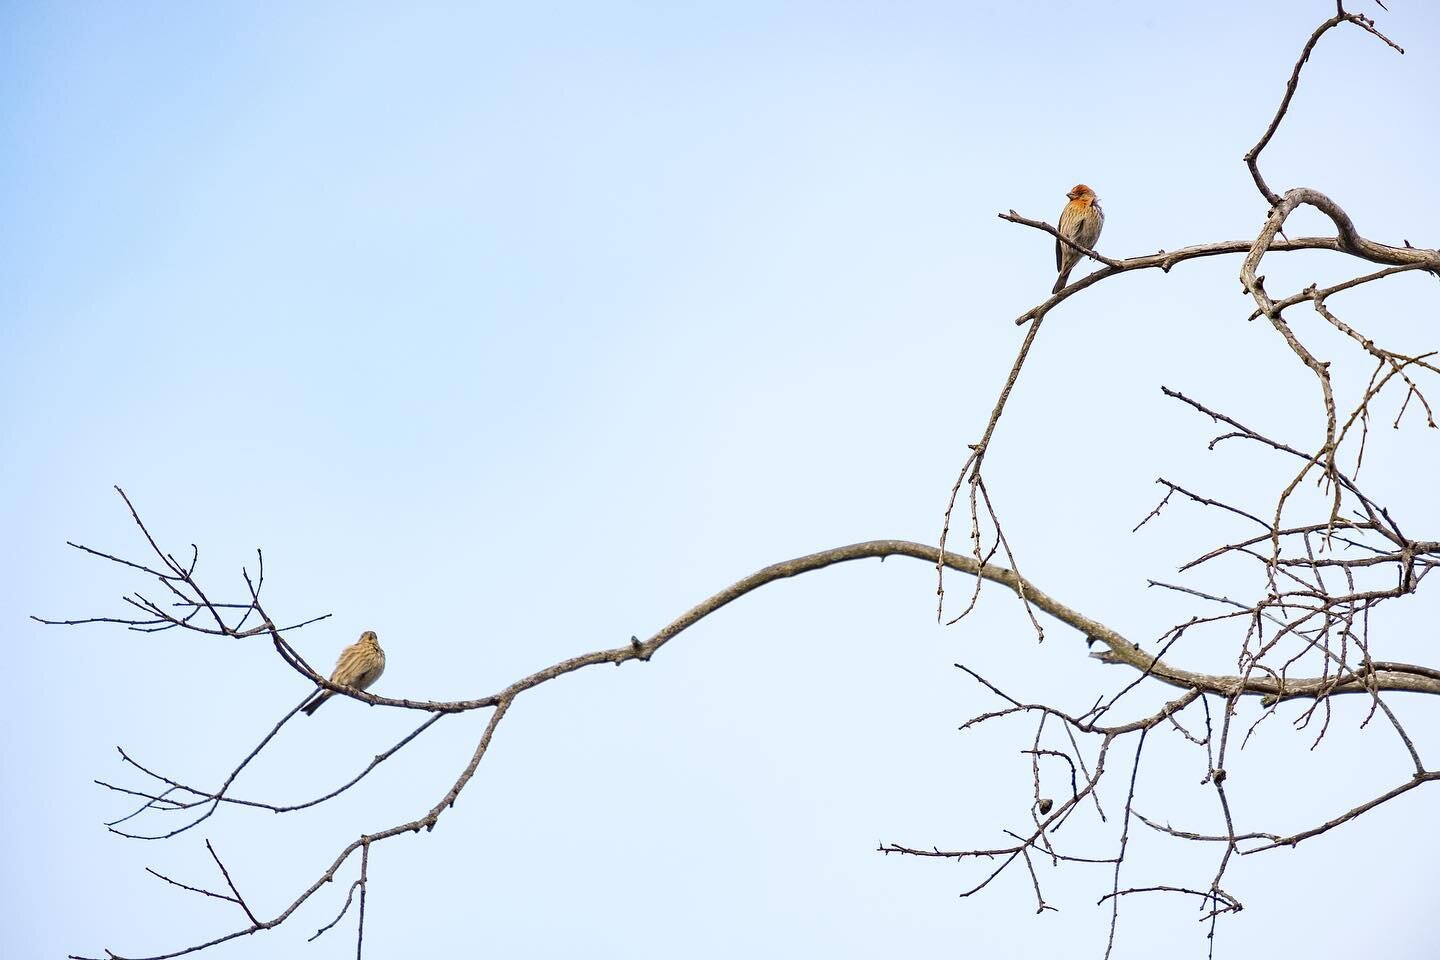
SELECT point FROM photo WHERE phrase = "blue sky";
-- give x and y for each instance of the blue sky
(510, 331)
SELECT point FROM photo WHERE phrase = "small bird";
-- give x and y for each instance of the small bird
(360, 665)
(1080, 221)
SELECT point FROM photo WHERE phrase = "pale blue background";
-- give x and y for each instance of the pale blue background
(510, 331)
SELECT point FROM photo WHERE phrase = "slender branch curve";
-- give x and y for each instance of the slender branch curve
(1252, 157)
(1117, 649)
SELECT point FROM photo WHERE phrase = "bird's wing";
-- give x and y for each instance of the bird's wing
(1066, 226)
(1094, 223)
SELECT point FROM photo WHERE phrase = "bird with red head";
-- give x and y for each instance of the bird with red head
(1080, 222)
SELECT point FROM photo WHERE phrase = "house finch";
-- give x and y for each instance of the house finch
(360, 665)
(1080, 221)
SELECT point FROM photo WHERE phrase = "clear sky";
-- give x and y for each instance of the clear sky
(512, 330)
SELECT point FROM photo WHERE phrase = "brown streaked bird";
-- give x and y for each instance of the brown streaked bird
(1080, 221)
(360, 665)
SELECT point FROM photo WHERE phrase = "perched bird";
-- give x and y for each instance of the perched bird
(360, 665)
(1080, 221)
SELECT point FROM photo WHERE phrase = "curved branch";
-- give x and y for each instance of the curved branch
(1118, 650)
(1252, 158)
(1161, 259)
(1349, 241)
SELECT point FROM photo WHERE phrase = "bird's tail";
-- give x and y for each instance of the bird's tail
(1063, 279)
(314, 704)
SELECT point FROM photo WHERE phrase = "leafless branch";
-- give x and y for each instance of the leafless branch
(1320, 554)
